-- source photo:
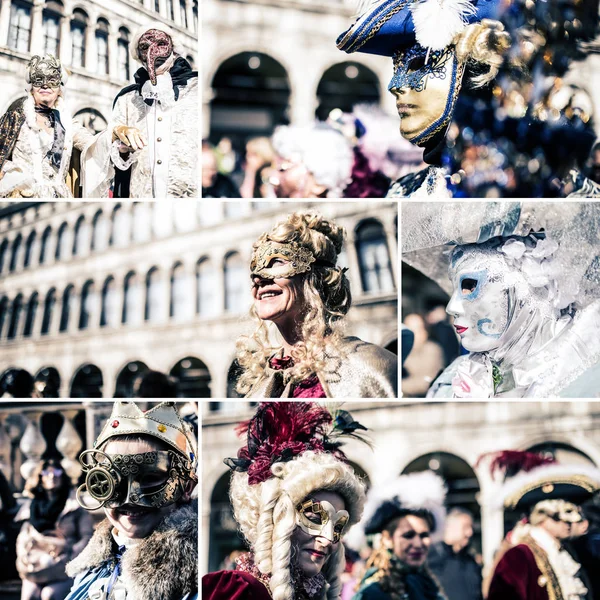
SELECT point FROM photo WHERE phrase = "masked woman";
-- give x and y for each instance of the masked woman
(298, 287)
(141, 471)
(54, 530)
(524, 303)
(294, 496)
(407, 514)
(37, 135)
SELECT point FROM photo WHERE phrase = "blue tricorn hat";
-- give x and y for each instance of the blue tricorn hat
(386, 26)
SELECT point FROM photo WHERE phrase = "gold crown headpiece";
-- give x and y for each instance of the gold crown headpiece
(163, 421)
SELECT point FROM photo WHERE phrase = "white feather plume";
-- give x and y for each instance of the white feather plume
(415, 490)
(438, 21)
(362, 6)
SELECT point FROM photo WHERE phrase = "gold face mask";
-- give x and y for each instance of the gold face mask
(320, 519)
(272, 260)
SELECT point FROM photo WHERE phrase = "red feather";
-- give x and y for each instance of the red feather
(511, 462)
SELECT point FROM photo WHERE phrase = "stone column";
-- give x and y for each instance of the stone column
(189, 8)
(149, 4)
(220, 284)
(353, 266)
(303, 98)
(4, 21)
(37, 34)
(65, 41)
(75, 309)
(90, 46)
(32, 445)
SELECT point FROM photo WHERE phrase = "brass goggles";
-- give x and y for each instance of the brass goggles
(320, 519)
(149, 479)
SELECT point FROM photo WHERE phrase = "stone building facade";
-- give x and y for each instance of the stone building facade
(91, 38)
(448, 438)
(93, 294)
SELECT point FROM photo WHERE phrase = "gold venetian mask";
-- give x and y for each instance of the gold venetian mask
(272, 260)
(320, 519)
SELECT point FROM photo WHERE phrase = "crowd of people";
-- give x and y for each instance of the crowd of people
(315, 532)
(140, 475)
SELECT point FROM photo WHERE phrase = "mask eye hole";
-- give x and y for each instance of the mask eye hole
(416, 64)
(468, 285)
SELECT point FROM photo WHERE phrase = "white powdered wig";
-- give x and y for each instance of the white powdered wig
(324, 151)
(515, 487)
(266, 513)
(423, 490)
(437, 22)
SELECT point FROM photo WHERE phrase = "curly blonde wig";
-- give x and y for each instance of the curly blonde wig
(480, 45)
(266, 513)
(325, 290)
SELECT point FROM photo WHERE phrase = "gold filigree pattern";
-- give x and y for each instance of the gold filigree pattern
(298, 260)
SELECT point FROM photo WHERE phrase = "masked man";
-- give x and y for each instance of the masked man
(141, 471)
(537, 566)
(150, 148)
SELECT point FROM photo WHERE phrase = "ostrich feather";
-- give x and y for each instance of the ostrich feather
(362, 6)
(438, 21)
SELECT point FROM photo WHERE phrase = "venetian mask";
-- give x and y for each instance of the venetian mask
(150, 479)
(272, 260)
(154, 48)
(426, 84)
(481, 303)
(44, 71)
(559, 510)
(320, 519)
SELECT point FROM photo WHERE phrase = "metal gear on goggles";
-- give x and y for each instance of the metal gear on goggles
(149, 479)
(320, 519)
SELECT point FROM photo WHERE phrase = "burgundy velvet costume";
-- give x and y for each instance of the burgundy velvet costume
(233, 585)
(517, 577)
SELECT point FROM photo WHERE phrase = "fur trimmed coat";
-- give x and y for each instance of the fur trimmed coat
(162, 566)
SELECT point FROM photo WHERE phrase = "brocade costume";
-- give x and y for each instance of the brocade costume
(537, 568)
(27, 167)
(167, 166)
(356, 370)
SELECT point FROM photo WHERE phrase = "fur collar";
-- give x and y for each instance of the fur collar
(173, 548)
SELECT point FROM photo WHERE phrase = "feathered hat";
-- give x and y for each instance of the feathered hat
(163, 421)
(533, 478)
(386, 26)
(423, 491)
(282, 432)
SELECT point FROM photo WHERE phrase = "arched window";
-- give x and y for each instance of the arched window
(14, 255)
(170, 10)
(32, 306)
(99, 232)
(373, 258)
(44, 244)
(3, 252)
(3, 311)
(156, 6)
(67, 308)
(19, 31)
(120, 227)
(29, 246)
(195, 15)
(62, 243)
(88, 300)
(179, 294)
(49, 303)
(206, 288)
(235, 278)
(154, 295)
(15, 317)
(87, 382)
(183, 14)
(81, 237)
(123, 54)
(142, 221)
(102, 47)
(109, 314)
(132, 300)
(79, 24)
(190, 59)
(51, 17)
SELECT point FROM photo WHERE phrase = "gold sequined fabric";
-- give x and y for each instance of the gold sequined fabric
(10, 126)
